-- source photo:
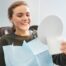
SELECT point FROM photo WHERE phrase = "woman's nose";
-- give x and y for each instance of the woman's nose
(25, 18)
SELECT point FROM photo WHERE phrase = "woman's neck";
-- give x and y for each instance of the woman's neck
(22, 33)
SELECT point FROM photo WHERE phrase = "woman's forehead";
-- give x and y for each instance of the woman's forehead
(21, 9)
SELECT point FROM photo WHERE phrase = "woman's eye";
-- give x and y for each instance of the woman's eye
(27, 14)
(19, 15)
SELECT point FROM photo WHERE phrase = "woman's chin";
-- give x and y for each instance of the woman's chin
(24, 28)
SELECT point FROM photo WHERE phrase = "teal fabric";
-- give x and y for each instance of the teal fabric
(33, 53)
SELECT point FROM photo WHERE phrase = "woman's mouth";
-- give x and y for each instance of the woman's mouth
(25, 23)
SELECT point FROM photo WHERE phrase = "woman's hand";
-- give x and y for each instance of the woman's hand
(63, 47)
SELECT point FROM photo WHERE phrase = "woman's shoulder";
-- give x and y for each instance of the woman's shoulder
(6, 36)
(4, 39)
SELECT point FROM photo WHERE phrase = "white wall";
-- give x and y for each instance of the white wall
(54, 7)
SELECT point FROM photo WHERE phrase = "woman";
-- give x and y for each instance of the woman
(19, 15)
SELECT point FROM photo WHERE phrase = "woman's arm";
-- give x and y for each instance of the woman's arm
(59, 59)
(2, 61)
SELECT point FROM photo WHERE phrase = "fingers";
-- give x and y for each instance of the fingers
(63, 47)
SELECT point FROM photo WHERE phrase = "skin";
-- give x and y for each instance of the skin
(21, 20)
(63, 47)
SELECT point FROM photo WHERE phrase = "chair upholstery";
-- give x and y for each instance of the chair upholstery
(33, 27)
(7, 29)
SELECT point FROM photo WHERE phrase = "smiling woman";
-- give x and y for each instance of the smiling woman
(19, 15)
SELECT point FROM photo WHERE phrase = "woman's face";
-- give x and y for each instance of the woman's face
(21, 18)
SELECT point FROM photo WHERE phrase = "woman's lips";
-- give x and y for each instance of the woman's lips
(25, 23)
